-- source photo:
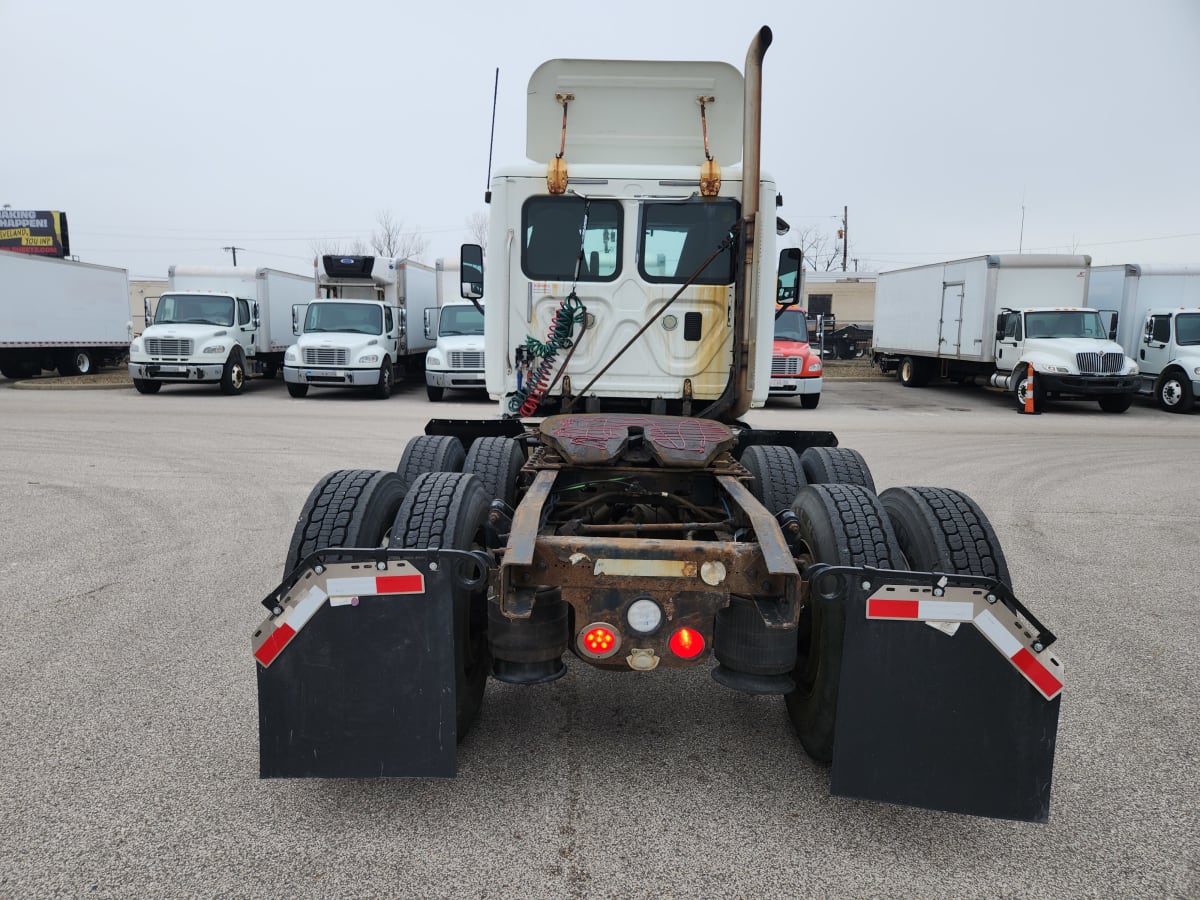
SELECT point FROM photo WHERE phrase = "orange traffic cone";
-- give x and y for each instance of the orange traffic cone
(1029, 410)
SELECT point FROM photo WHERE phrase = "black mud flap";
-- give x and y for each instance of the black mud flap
(949, 696)
(356, 669)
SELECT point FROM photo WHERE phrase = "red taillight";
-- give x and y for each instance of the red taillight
(599, 641)
(686, 643)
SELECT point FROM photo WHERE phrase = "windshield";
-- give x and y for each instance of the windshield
(460, 320)
(1065, 323)
(791, 326)
(194, 309)
(360, 318)
(1187, 328)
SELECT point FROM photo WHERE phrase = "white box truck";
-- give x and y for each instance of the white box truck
(989, 319)
(60, 314)
(1157, 318)
(357, 333)
(456, 361)
(213, 323)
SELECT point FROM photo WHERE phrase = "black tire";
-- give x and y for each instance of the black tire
(1173, 392)
(434, 393)
(1115, 403)
(840, 524)
(810, 401)
(1021, 388)
(147, 386)
(297, 390)
(383, 389)
(430, 453)
(447, 510)
(943, 530)
(76, 362)
(233, 377)
(912, 372)
(836, 465)
(496, 462)
(347, 508)
(778, 475)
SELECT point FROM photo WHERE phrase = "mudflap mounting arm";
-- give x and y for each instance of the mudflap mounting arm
(948, 697)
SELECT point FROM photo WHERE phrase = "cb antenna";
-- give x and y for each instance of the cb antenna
(487, 193)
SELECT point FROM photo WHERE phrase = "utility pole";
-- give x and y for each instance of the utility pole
(845, 234)
(234, 251)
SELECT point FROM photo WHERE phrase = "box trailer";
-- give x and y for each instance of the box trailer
(214, 323)
(61, 314)
(1155, 315)
(1018, 322)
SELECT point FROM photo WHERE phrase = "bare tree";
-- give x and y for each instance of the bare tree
(334, 247)
(390, 239)
(822, 250)
(477, 228)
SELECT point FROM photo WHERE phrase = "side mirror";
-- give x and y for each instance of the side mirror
(781, 227)
(430, 324)
(470, 263)
(255, 316)
(1148, 331)
(146, 311)
(789, 282)
(298, 311)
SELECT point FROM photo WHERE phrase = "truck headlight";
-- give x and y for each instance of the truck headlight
(814, 366)
(1060, 370)
(433, 358)
(369, 358)
(135, 347)
(291, 355)
(214, 348)
(1134, 370)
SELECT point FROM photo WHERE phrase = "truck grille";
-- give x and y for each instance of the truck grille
(326, 356)
(1099, 363)
(466, 359)
(785, 365)
(169, 346)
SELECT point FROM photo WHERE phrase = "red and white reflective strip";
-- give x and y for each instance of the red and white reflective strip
(275, 634)
(1045, 681)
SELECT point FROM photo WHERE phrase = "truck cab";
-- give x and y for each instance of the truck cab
(1070, 351)
(796, 368)
(1169, 357)
(353, 334)
(456, 361)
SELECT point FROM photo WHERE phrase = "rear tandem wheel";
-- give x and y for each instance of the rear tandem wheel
(447, 510)
(842, 525)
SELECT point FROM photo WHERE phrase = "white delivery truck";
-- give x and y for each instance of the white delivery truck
(989, 319)
(60, 314)
(456, 361)
(357, 332)
(1157, 313)
(213, 323)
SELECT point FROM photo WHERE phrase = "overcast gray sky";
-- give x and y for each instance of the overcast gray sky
(167, 131)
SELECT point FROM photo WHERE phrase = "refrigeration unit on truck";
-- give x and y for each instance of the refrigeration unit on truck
(61, 314)
(991, 319)
(622, 513)
(213, 323)
(456, 361)
(1157, 312)
(364, 330)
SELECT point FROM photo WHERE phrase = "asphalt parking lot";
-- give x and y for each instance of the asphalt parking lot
(140, 532)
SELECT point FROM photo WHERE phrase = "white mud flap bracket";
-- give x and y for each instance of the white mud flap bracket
(356, 665)
(961, 716)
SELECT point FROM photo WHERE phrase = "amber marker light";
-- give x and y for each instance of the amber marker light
(686, 643)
